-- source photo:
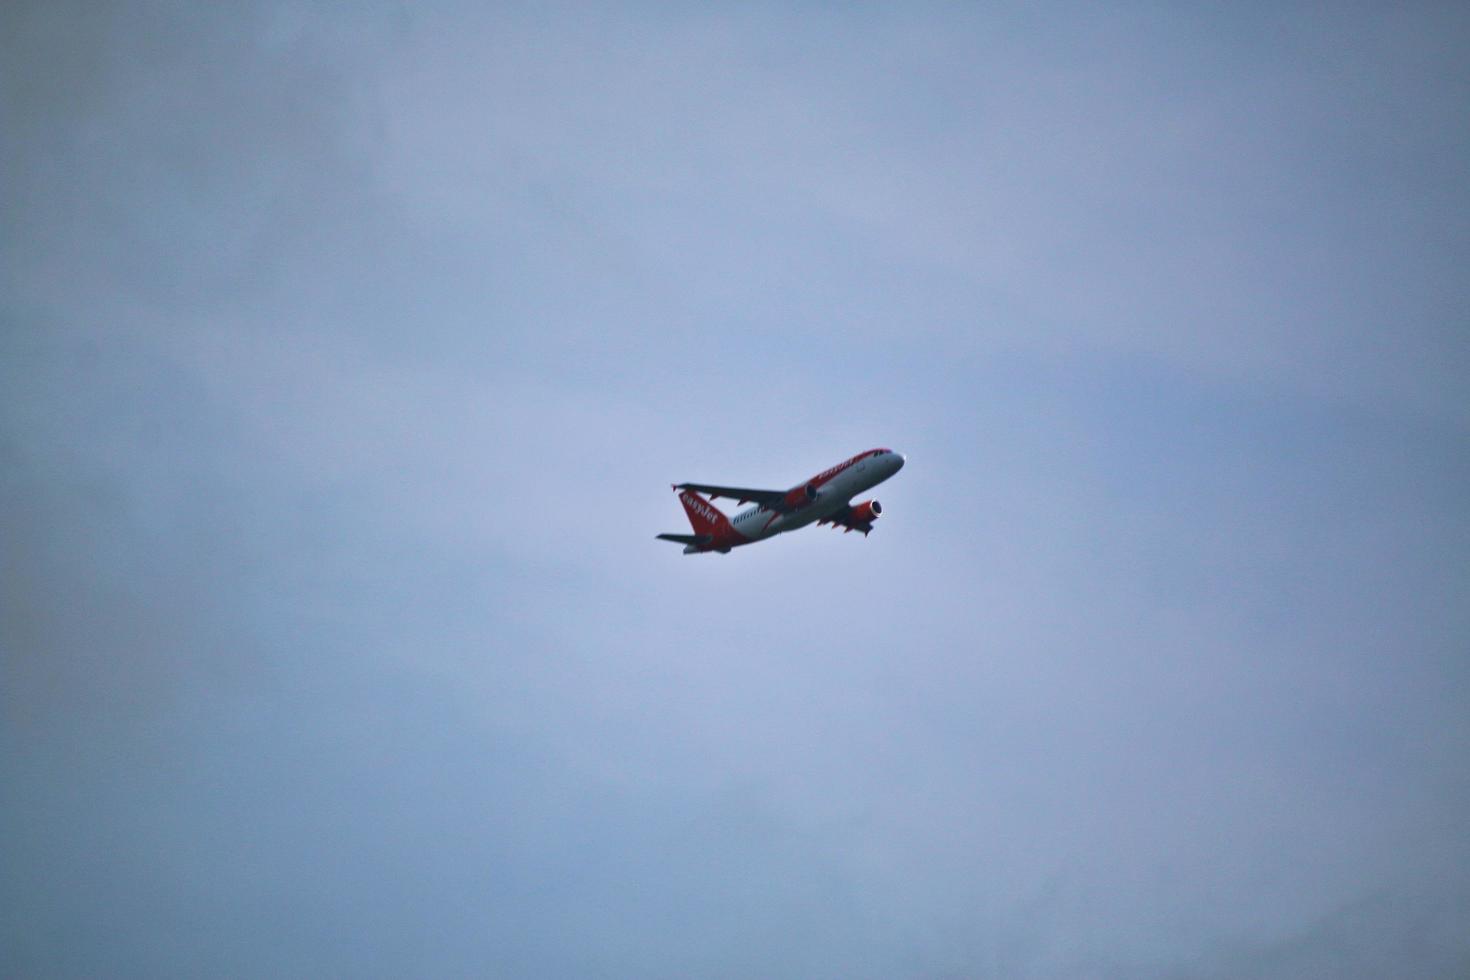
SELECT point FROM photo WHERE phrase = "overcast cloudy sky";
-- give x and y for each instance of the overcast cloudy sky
(347, 353)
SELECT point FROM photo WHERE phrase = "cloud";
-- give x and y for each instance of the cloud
(347, 356)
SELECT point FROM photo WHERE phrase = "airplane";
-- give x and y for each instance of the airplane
(824, 499)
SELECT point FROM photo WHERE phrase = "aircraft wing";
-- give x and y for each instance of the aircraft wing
(844, 519)
(766, 498)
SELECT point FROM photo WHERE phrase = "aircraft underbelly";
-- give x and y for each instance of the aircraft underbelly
(835, 496)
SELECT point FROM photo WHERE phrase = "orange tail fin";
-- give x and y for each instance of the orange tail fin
(704, 516)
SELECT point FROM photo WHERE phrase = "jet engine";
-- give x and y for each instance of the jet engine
(866, 512)
(800, 496)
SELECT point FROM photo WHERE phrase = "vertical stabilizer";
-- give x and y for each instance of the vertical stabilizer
(704, 516)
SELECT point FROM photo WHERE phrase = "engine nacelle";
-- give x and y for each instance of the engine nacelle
(800, 496)
(866, 512)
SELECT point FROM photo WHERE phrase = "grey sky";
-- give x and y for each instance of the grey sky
(346, 357)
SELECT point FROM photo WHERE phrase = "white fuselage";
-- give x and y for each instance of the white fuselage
(835, 490)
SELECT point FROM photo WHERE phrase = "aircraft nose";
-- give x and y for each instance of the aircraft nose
(901, 460)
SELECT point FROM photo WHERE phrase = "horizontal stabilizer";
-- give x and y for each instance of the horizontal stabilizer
(687, 538)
